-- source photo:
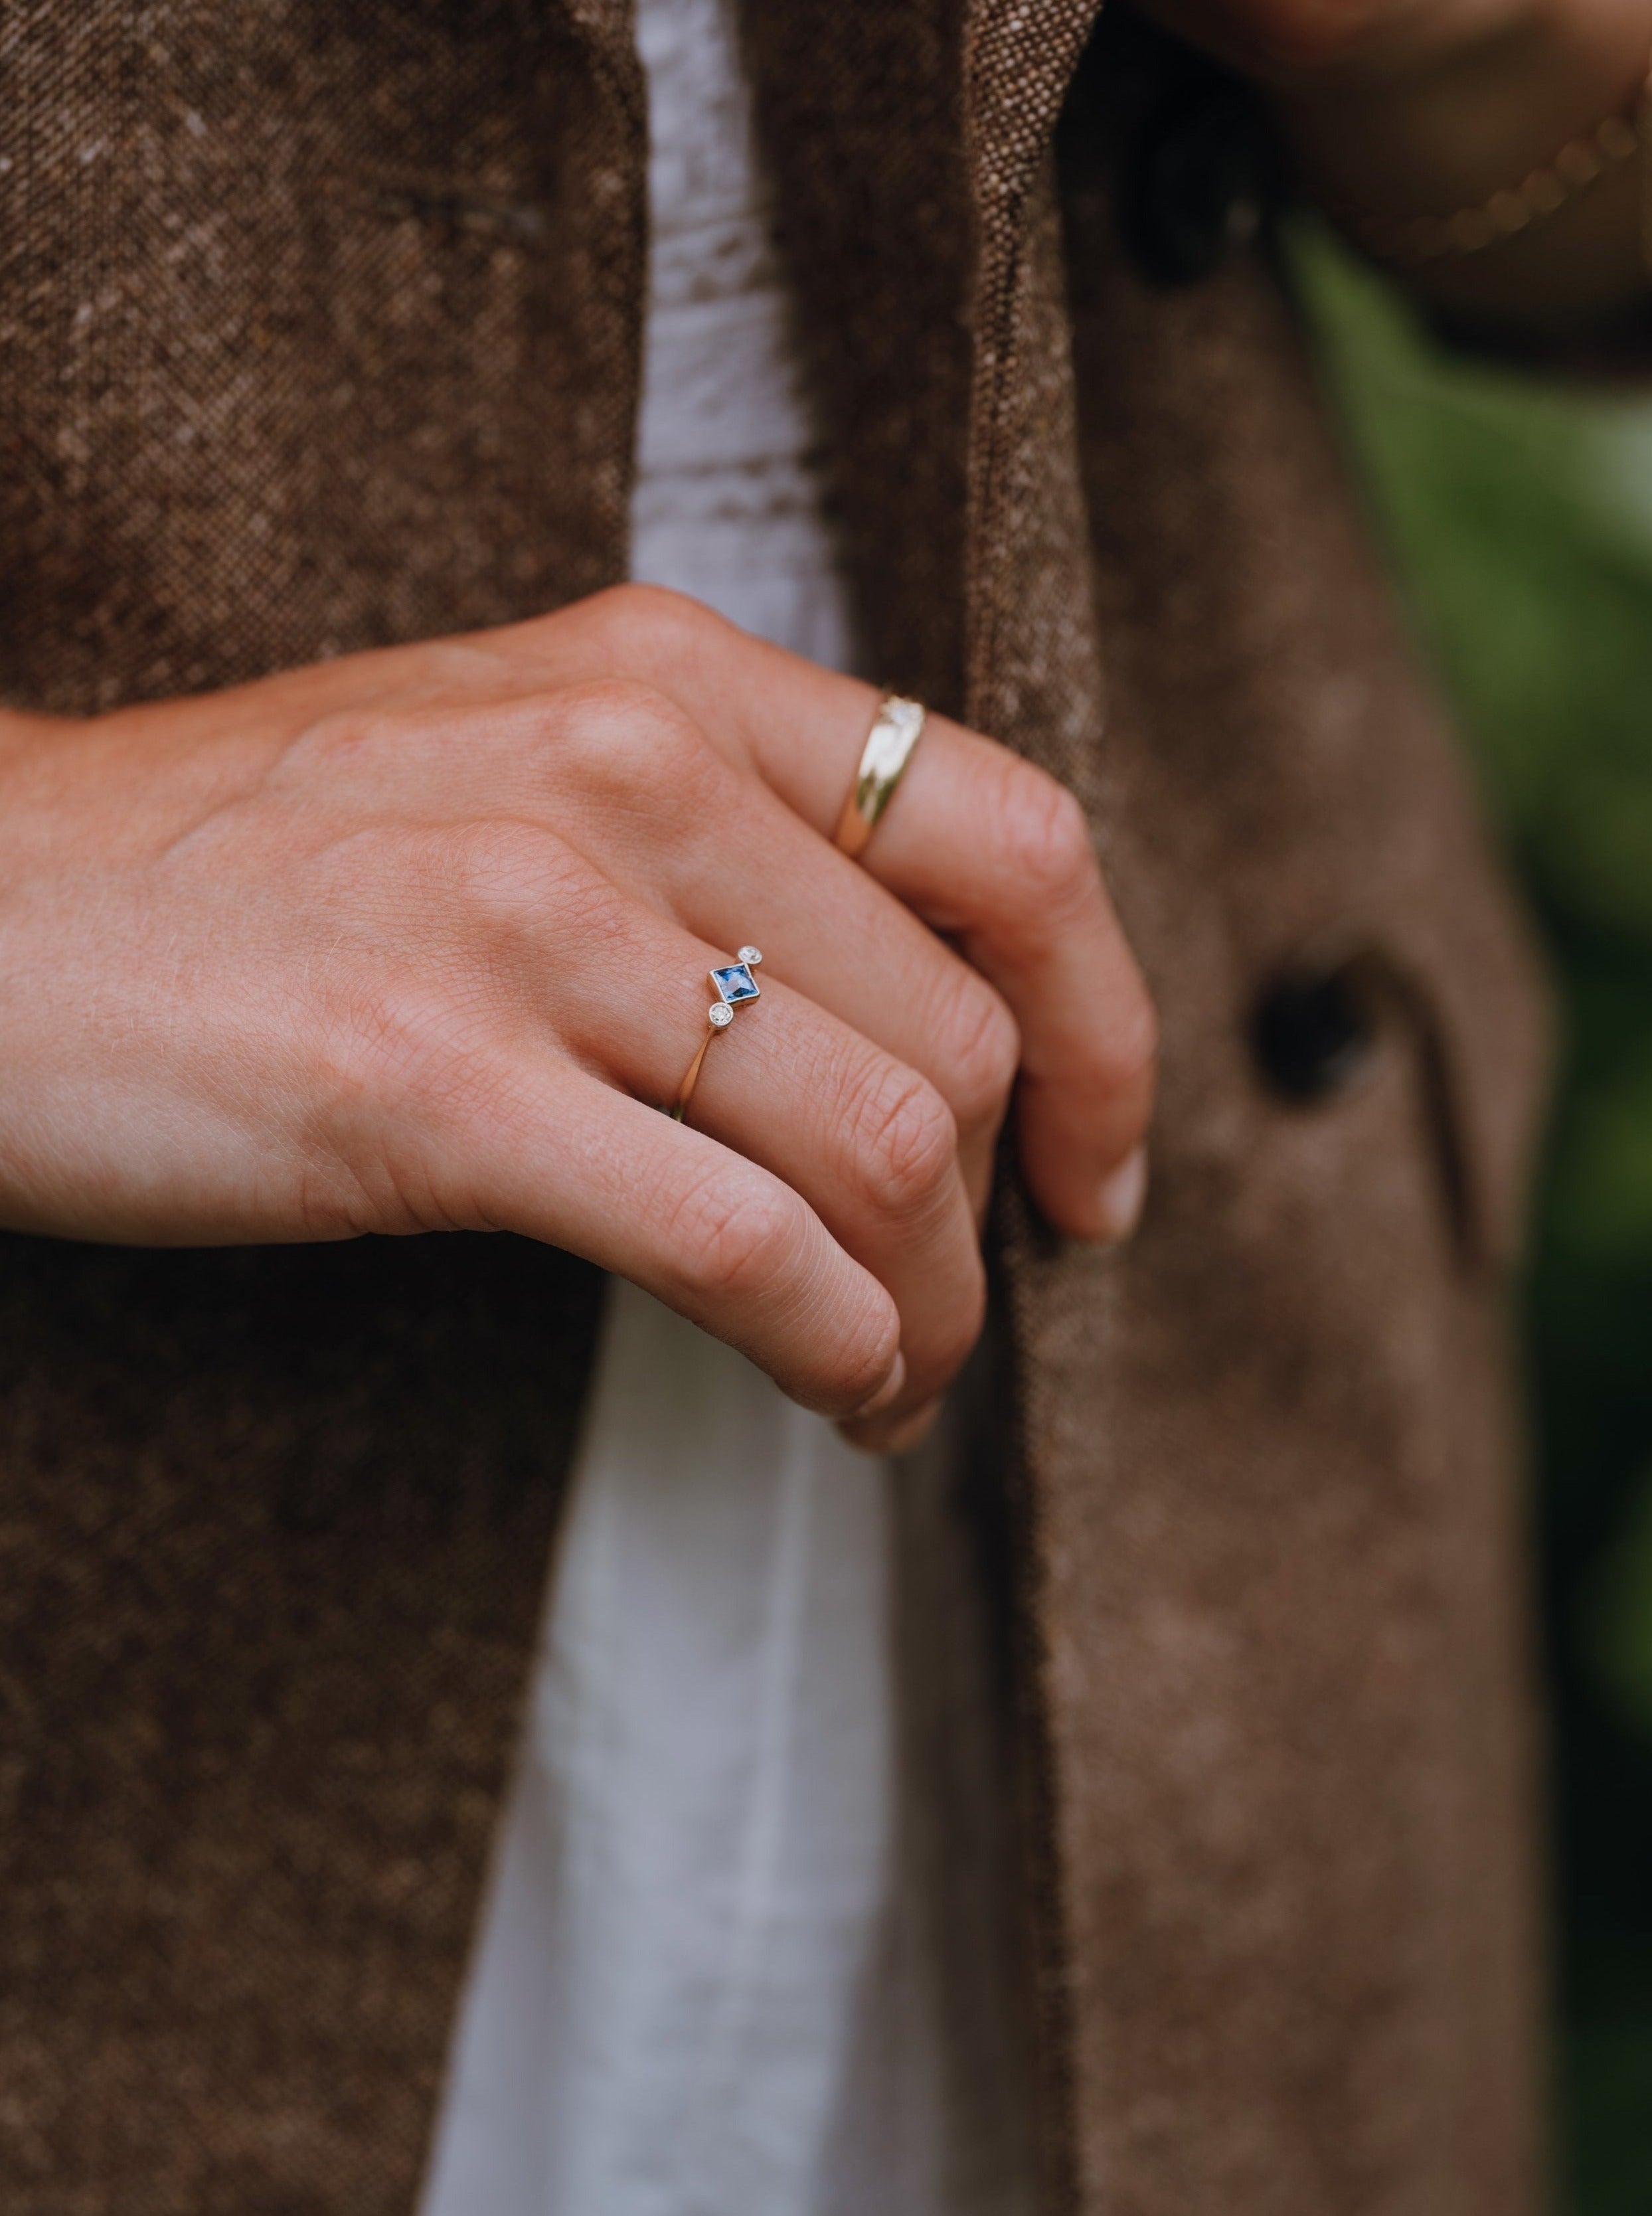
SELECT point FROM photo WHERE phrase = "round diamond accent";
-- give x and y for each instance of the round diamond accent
(751, 954)
(720, 1014)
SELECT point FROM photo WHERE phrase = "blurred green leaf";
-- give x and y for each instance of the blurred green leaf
(1520, 520)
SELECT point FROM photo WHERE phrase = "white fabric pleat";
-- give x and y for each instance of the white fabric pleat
(696, 1854)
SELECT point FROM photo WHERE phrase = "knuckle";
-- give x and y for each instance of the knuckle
(1131, 1043)
(734, 1239)
(981, 1050)
(1051, 856)
(625, 614)
(405, 1070)
(628, 736)
(866, 1347)
(343, 734)
(613, 711)
(904, 1141)
(407, 1045)
(738, 1243)
(504, 867)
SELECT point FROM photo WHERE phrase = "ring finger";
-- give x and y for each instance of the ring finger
(863, 1138)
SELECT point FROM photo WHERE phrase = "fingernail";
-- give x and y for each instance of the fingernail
(886, 1391)
(1123, 1192)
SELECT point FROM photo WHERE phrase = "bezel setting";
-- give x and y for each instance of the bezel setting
(735, 983)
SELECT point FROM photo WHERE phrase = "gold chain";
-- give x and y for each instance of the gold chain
(1406, 242)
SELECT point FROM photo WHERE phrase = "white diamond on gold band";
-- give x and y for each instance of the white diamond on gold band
(734, 985)
(896, 728)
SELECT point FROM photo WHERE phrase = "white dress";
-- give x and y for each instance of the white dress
(692, 1993)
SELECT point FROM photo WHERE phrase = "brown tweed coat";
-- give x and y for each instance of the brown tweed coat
(318, 329)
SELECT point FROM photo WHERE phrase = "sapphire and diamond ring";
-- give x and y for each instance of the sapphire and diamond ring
(734, 985)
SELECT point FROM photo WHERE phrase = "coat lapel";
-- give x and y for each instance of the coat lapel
(1017, 62)
(910, 153)
(1035, 679)
(319, 331)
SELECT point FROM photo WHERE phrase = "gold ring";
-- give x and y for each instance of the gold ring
(896, 728)
(735, 986)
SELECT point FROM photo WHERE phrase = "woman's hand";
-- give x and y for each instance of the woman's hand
(419, 940)
(1399, 108)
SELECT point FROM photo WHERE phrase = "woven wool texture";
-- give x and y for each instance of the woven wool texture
(319, 330)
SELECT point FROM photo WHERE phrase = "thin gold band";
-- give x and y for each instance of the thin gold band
(896, 728)
(685, 1090)
(734, 985)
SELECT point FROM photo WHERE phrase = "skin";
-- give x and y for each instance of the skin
(418, 939)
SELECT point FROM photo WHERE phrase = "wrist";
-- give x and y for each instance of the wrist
(1383, 146)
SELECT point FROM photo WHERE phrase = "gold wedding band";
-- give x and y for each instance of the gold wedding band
(896, 728)
(734, 985)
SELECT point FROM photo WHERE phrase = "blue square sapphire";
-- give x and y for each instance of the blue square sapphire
(734, 983)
